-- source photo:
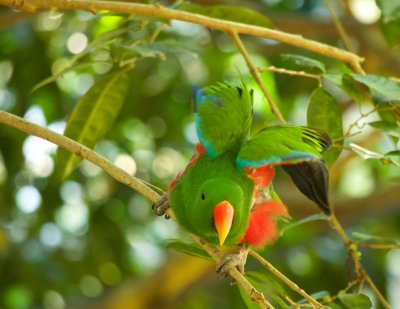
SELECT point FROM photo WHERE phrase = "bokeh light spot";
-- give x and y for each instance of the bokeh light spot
(127, 163)
(28, 199)
(53, 300)
(365, 11)
(110, 273)
(77, 42)
(90, 286)
(50, 235)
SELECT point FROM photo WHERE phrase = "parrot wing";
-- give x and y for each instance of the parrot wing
(223, 115)
(283, 144)
(298, 150)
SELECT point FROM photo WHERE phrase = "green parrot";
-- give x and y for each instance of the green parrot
(225, 195)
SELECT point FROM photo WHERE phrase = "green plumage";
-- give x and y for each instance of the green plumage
(223, 115)
(284, 143)
(216, 180)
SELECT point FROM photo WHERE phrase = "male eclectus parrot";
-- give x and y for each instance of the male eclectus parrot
(225, 194)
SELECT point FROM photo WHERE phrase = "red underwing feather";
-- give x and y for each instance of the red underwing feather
(262, 176)
(262, 224)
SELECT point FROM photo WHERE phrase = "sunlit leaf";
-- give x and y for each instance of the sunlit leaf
(188, 249)
(355, 301)
(365, 153)
(382, 89)
(388, 127)
(231, 13)
(297, 62)
(315, 217)
(324, 113)
(393, 157)
(93, 116)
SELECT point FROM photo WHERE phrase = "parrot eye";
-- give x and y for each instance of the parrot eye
(203, 196)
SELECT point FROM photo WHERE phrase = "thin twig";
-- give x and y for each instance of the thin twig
(379, 246)
(353, 60)
(351, 247)
(125, 178)
(290, 72)
(257, 76)
(285, 279)
(355, 255)
(339, 26)
(376, 291)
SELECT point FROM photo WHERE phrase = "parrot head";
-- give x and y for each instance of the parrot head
(218, 211)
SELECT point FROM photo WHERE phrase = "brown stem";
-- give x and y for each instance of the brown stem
(157, 10)
(285, 279)
(339, 26)
(257, 76)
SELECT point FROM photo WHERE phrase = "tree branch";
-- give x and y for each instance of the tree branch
(81, 151)
(285, 279)
(157, 10)
(125, 178)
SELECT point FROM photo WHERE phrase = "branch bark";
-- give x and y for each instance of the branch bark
(157, 10)
(125, 178)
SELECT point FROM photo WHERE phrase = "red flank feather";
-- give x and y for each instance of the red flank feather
(262, 224)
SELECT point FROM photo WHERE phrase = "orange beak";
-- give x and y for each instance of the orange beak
(223, 217)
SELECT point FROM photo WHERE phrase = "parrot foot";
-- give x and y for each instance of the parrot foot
(237, 260)
(160, 207)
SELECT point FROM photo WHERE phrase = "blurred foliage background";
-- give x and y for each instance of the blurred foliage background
(89, 242)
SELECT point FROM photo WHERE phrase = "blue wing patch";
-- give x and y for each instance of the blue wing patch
(200, 97)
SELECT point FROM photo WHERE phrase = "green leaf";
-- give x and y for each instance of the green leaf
(390, 9)
(390, 20)
(352, 88)
(336, 306)
(315, 217)
(268, 284)
(391, 157)
(324, 113)
(391, 31)
(297, 62)
(382, 89)
(388, 127)
(188, 249)
(93, 116)
(363, 237)
(247, 300)
(231, 13)
(355, 301)
(316, 295)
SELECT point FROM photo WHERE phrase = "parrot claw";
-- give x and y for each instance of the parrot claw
(237, 260)
(161, 206)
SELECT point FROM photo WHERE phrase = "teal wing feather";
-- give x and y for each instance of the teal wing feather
(223, 115)
(283, 144)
